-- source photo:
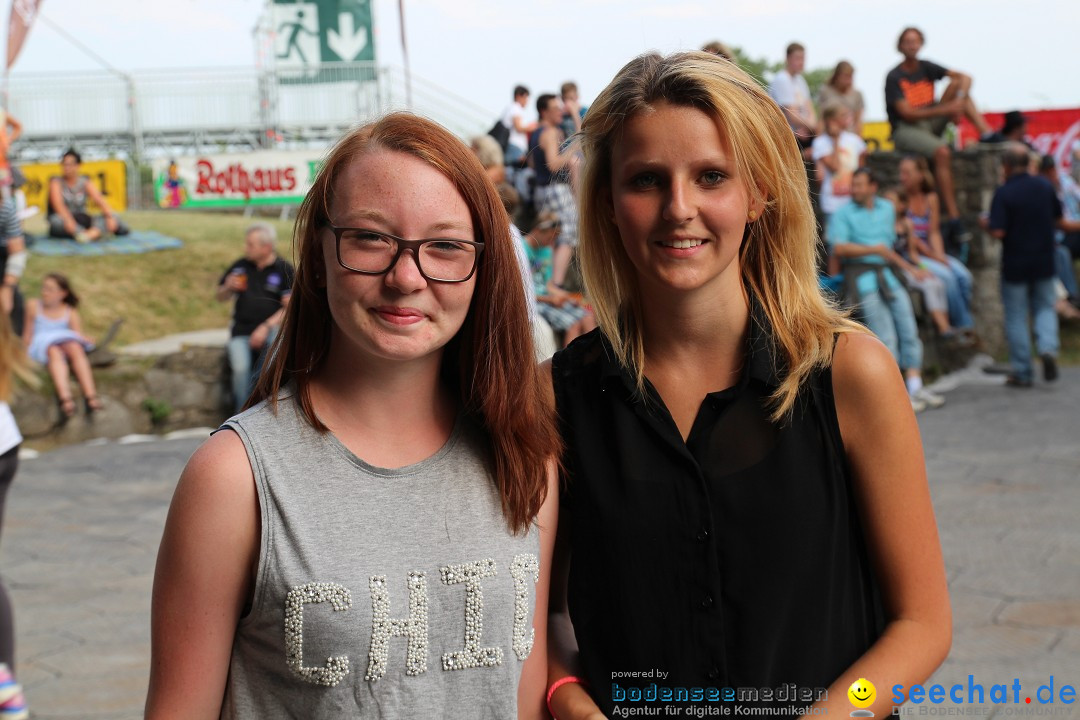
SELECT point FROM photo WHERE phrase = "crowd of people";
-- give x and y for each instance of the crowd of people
(912, 237)
(384, 513)
(922, 250)
(404, 493)
(50, 326)
(534, 165)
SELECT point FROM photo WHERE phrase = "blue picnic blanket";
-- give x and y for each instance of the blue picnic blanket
(138, 241)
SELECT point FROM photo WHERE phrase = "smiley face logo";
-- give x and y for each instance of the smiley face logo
(862, 693)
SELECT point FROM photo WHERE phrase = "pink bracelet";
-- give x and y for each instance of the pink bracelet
(558, 684)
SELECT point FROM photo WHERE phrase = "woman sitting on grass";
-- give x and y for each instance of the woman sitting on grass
(68, 213)
(55, 339)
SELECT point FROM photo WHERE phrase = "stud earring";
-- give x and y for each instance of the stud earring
(752, 216)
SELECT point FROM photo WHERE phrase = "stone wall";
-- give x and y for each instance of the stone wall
(183, 389)
(977, 173)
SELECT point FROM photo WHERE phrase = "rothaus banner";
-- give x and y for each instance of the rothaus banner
(235, 180)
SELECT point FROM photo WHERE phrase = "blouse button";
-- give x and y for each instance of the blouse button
(707, 602)
(702, 535)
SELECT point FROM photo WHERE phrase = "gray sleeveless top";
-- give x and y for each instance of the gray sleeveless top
(74, 197)
(380, 593)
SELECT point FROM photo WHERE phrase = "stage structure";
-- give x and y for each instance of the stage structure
(315, 76)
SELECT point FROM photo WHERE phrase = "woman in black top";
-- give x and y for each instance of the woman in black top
(746, 518)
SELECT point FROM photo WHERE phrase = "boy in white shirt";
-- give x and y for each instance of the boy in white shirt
(837, 154)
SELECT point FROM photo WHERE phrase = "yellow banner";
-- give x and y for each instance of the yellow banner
(877, 136)
(110, 176)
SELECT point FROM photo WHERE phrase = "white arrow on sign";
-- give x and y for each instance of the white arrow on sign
(346, 41)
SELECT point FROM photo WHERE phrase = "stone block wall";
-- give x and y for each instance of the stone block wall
(189, 389)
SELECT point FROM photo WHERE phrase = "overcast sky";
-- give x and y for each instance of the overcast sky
(1022, 54)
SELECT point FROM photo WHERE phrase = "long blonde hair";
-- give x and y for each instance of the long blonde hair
(779, 253)
(13, 361)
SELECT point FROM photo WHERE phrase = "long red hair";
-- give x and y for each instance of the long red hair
(491, 360)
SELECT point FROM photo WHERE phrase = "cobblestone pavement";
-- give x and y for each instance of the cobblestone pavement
(83, 525)
(80, 541)
(1004, 469)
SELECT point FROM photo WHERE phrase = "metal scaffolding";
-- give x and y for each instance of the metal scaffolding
(150, 114)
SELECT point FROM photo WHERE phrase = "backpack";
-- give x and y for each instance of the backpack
(501, 133)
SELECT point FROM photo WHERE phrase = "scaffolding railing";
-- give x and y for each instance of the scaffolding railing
(158, 112)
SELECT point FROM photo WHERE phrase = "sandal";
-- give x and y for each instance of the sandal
(93, 404)
(67, 408)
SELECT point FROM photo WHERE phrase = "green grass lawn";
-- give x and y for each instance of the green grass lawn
(157, 293)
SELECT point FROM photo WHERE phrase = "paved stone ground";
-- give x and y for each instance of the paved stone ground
(81, 534)
(1004, 469)
(83, 526)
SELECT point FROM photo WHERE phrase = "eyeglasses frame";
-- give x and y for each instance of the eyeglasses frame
(403, 245)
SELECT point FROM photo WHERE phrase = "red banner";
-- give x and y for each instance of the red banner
(23, 13)
(1050, 132)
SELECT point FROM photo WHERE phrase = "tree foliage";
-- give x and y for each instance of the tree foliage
(758, 68)
(816, 78)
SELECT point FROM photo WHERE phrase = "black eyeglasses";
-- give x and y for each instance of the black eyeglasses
(371, 252)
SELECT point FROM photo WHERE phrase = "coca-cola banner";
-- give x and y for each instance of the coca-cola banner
(257, 178)
(1050, 132)
(23, 13)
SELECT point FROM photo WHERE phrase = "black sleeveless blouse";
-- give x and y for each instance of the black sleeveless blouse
(733, 561)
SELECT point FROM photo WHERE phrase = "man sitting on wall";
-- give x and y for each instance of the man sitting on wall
(261, 282)
(918, 121)
(861, 234)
